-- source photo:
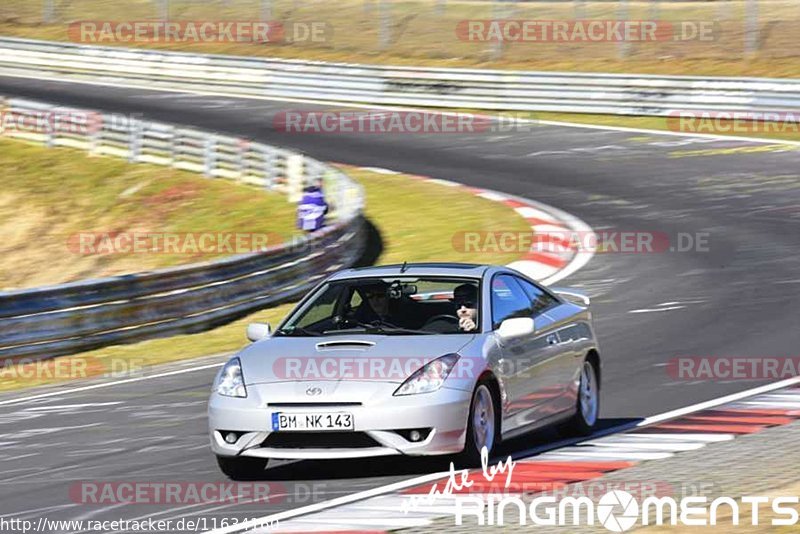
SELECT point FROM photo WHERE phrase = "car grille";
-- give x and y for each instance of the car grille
(319, 440)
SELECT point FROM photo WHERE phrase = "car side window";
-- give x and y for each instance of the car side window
(508, 300)
(540, 299)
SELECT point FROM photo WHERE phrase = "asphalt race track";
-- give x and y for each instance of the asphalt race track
(739, 298)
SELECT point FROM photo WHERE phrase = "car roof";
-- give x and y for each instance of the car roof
(459, 270)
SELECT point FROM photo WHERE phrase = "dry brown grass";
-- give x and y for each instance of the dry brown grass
(52, 195)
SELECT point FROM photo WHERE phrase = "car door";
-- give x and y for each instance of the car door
(528, 364)
(566, 363)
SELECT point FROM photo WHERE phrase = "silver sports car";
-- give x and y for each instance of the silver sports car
(413, 359)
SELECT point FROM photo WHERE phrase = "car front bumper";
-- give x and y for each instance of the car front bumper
(376, 414)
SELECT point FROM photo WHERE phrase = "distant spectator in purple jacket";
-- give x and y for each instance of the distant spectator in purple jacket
(312, 209)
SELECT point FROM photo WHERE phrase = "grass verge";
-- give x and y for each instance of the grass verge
(416, 220)
(53, 197)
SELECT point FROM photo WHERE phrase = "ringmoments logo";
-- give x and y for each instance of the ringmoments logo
(619, 511)
(610, 515)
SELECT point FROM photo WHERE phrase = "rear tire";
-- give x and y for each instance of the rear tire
(242, 467)
(588, 404)
(481, 426)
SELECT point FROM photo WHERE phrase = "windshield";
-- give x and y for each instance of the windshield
(390, 306)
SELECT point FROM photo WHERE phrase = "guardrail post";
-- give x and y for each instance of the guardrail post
(500, 11)
(384, 24)
(723, 9)
(751, 27)
(135, 140)
(655, 8)
(622, 14)
(163, 9)
(49, 12)
(172, 146)
(268, 157)
(209, 156)
(295, 177)
(50, 138)
(579, 6)
(242, 147)
(95, 135)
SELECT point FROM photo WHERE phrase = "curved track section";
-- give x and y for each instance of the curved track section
(738, 298)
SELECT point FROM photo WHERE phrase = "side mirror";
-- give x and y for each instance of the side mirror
(516, 327)
(258, 331)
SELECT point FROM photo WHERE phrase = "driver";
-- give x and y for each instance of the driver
(375, 306)
(465, 299)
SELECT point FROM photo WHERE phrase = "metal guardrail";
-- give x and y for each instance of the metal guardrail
(435, 87)
(51, 321)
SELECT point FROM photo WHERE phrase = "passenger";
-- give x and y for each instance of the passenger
(465, 299)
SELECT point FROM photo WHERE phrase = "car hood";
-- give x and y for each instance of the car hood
(353, 358)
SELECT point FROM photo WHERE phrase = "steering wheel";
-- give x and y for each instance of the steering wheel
(442, 317)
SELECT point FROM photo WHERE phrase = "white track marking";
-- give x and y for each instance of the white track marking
(318, 507)
(705, 438)
(665, 438)
(591, 454)
(491, 195)
(666, 446)
(719, 401)
(379, 170)
(51, 407)
(652, 310)
(107, 384)
(795, 397)
(446, 183)
(771, 404)
(347, 499)
(532, 213)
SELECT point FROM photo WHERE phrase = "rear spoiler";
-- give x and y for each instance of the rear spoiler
(574, 296)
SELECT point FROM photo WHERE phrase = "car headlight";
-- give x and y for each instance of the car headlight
(429, 377)
(230, 381)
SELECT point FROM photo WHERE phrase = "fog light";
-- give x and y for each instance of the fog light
(415, 435)
(231, 437)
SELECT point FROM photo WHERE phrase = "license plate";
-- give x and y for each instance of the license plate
(312, 421)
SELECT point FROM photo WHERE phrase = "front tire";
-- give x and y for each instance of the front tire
(481, 426)
(242, 467)
(588, 404)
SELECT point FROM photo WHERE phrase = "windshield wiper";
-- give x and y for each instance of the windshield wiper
(377, 329)
(293, 330)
